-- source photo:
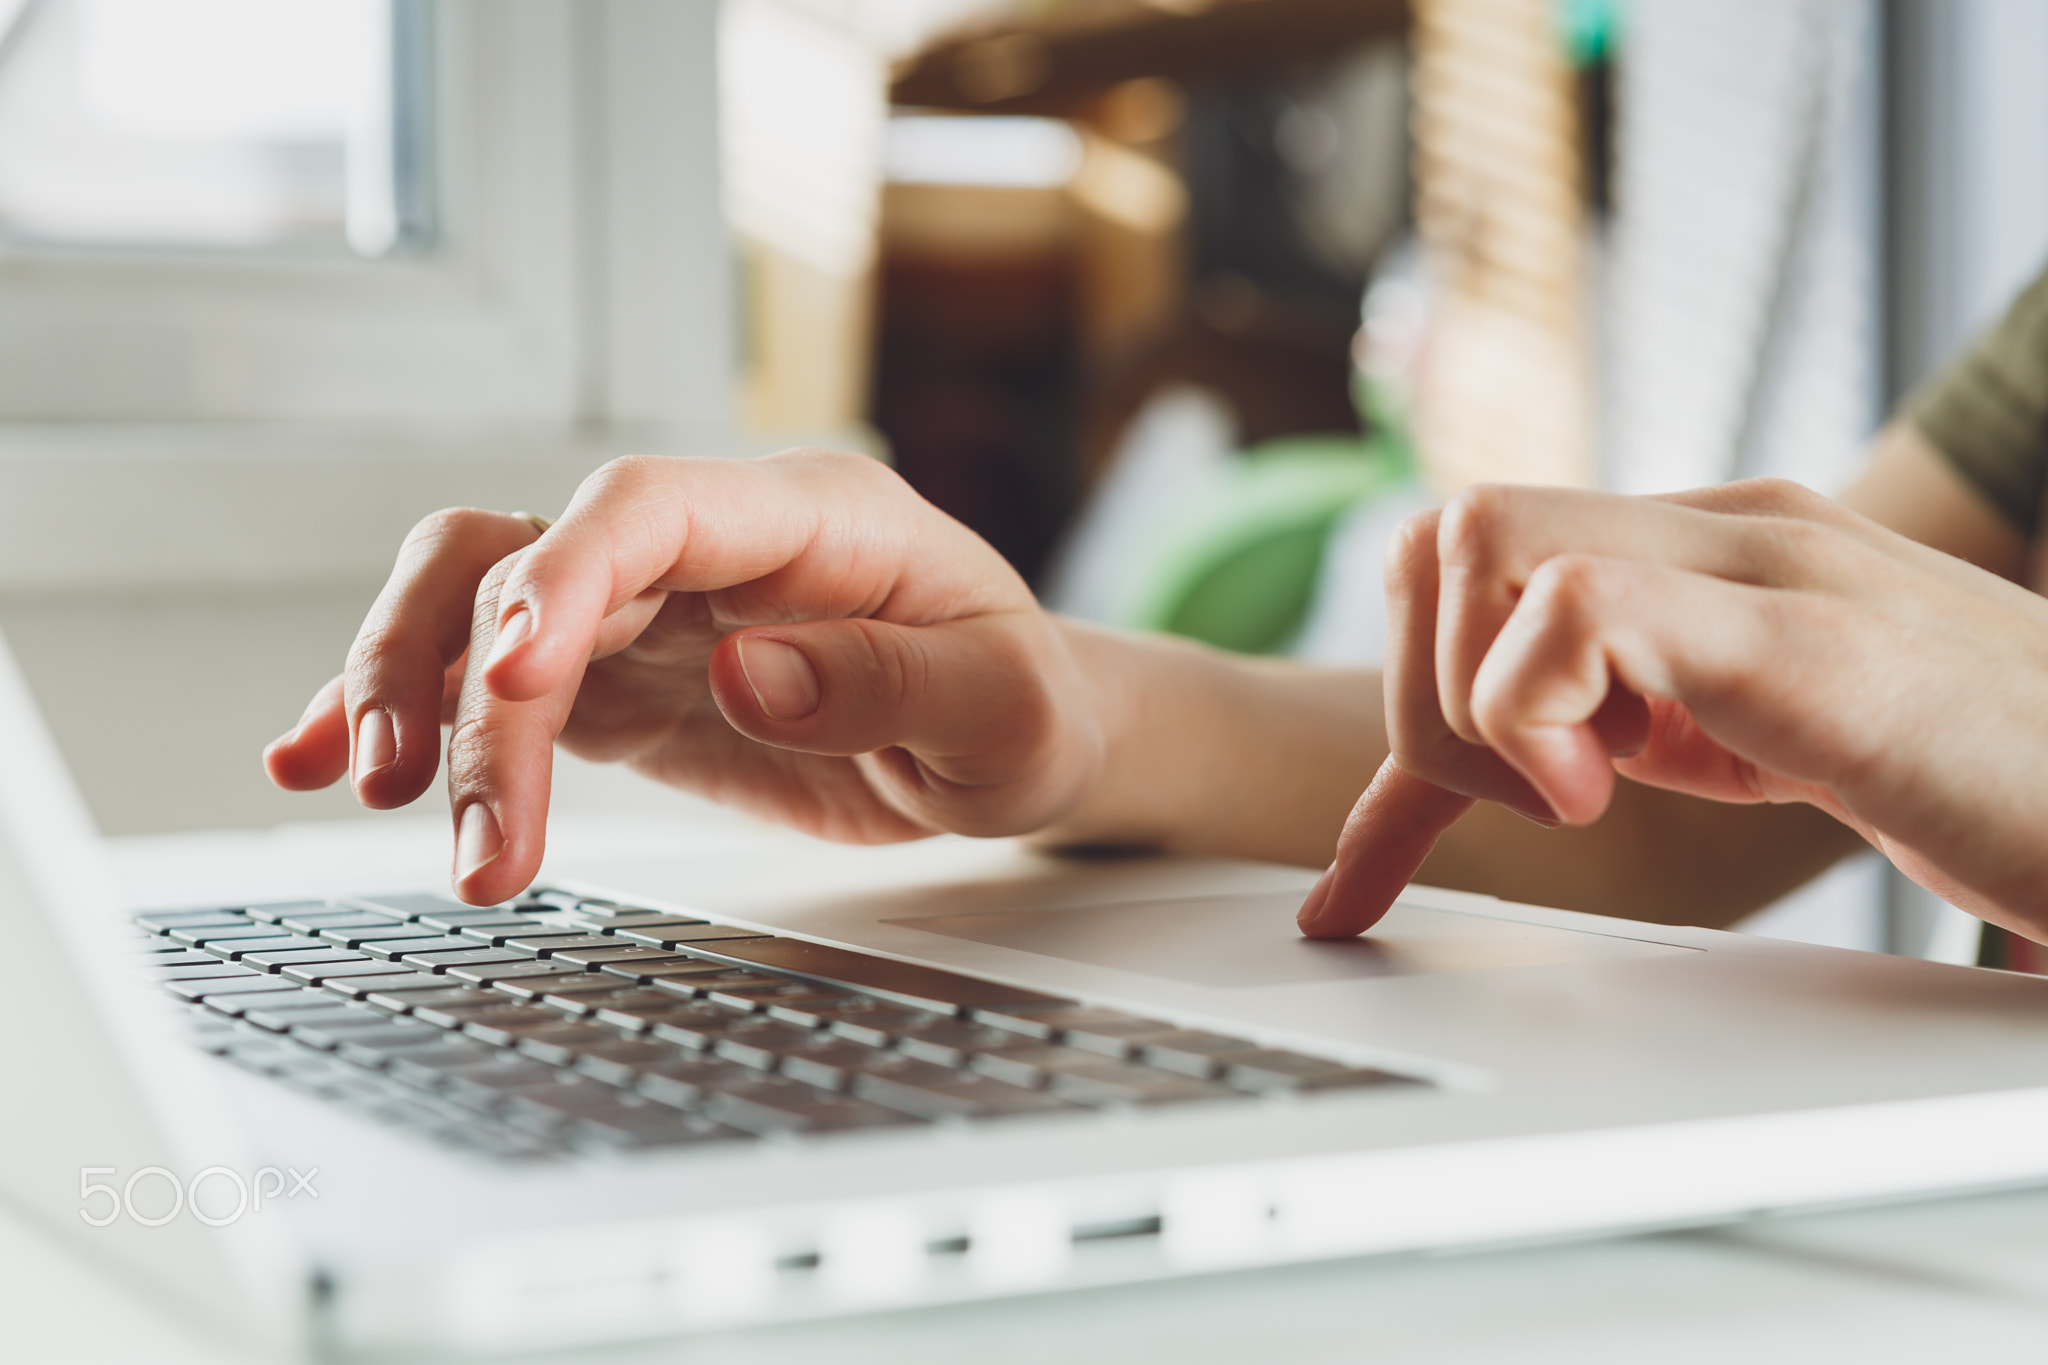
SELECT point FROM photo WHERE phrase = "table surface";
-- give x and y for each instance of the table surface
(1959, 1278)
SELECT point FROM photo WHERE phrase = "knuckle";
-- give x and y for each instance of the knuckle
(1782, 493)
(470, 744)
(1473, 523)
(631, 470)
(1412, 544)
(1567, 590)
(447, 526)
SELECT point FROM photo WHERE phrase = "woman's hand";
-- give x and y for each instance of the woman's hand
(801, 635)
(1749, 643)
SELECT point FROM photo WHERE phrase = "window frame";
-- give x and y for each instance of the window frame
(575, 303)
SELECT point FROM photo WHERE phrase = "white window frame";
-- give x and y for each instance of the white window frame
(159, 412)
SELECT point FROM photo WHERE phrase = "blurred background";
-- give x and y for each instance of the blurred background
(1181, 303)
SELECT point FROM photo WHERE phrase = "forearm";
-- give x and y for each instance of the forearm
(1221, 755)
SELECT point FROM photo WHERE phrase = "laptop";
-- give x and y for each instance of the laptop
(661, 1097)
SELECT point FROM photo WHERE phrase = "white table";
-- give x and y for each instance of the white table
(1958, 1279)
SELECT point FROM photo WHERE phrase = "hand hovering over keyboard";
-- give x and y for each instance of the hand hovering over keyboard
(1751, 643)
(800, 635)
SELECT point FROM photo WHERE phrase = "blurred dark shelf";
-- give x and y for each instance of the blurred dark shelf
(1055, 64)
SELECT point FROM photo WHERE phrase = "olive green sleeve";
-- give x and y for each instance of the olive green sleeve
(1988, 411)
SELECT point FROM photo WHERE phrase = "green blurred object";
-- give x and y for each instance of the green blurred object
(1590, 28)
(1238, 566)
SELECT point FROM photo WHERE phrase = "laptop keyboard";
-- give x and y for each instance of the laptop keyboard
(563, 1023)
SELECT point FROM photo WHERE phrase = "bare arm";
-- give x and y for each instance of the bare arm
(1215, 754)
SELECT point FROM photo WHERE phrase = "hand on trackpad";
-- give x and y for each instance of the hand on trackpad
(1249, 941)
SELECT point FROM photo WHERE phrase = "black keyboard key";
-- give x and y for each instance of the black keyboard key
(546, 1106)
(388, 933)
(510, 971)
(826, 1062)
(794, 995)
(565, 984)
(620, 1061)
(951, 1042)
(1272, 1069)
(270, 961)
(776, 1105)
(241, 949)
(277, 911)
(470, 955)
(759, 1043)
(452, 995)
(1109, 1082)
(210, 988)
(642, 919)
(503, 1026)
(163, 921)
(687, 933)
(562, 1044)
(682, 972)
(359, 987)
(213, 967)
(550, 940)
(630, 1128)
(686, 1084)
(175, 955)
(1191, 1052)
(279, 1012)
(616, 954)
(373, 1047)
(424, 1067)
(238, 1005)
(620, 1000)
(1115, 1037)
(1031, 1064)
(694, 1026)
(325, 1031)
(153, 951)
(879, 1025)
(465, 921)
(404, 944)
(200, 935)
(349, 964)
(726, 978)
(639, 1016)
(420, 905)
(905, 983)
(471, 1006)
(482, 1085)
(315, 921)
(934, 1092)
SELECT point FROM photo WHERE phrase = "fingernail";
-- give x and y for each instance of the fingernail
(1312, 907)
(512, 633)
(376, 743)
(477, 840)
(785, 685)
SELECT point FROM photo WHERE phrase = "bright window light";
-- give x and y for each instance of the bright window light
(206, 123)
(1004, 151)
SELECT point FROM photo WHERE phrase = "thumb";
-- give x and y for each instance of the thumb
(980, 702)
(1388, 834)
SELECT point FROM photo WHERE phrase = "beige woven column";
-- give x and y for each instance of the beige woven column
(1502, 391)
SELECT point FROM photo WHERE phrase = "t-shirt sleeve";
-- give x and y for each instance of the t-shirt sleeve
(1988, 411)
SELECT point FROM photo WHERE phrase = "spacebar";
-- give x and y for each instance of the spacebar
(921, 987)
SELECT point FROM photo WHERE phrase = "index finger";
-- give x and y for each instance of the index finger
(840, 533)
(1388, 834)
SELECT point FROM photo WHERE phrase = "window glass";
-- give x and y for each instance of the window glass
(264, 125)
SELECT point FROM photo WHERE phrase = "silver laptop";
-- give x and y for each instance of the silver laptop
(670, 1097)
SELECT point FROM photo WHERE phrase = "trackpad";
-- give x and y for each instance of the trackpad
(1251, 941)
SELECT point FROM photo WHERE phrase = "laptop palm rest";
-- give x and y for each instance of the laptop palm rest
(1250, 941)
